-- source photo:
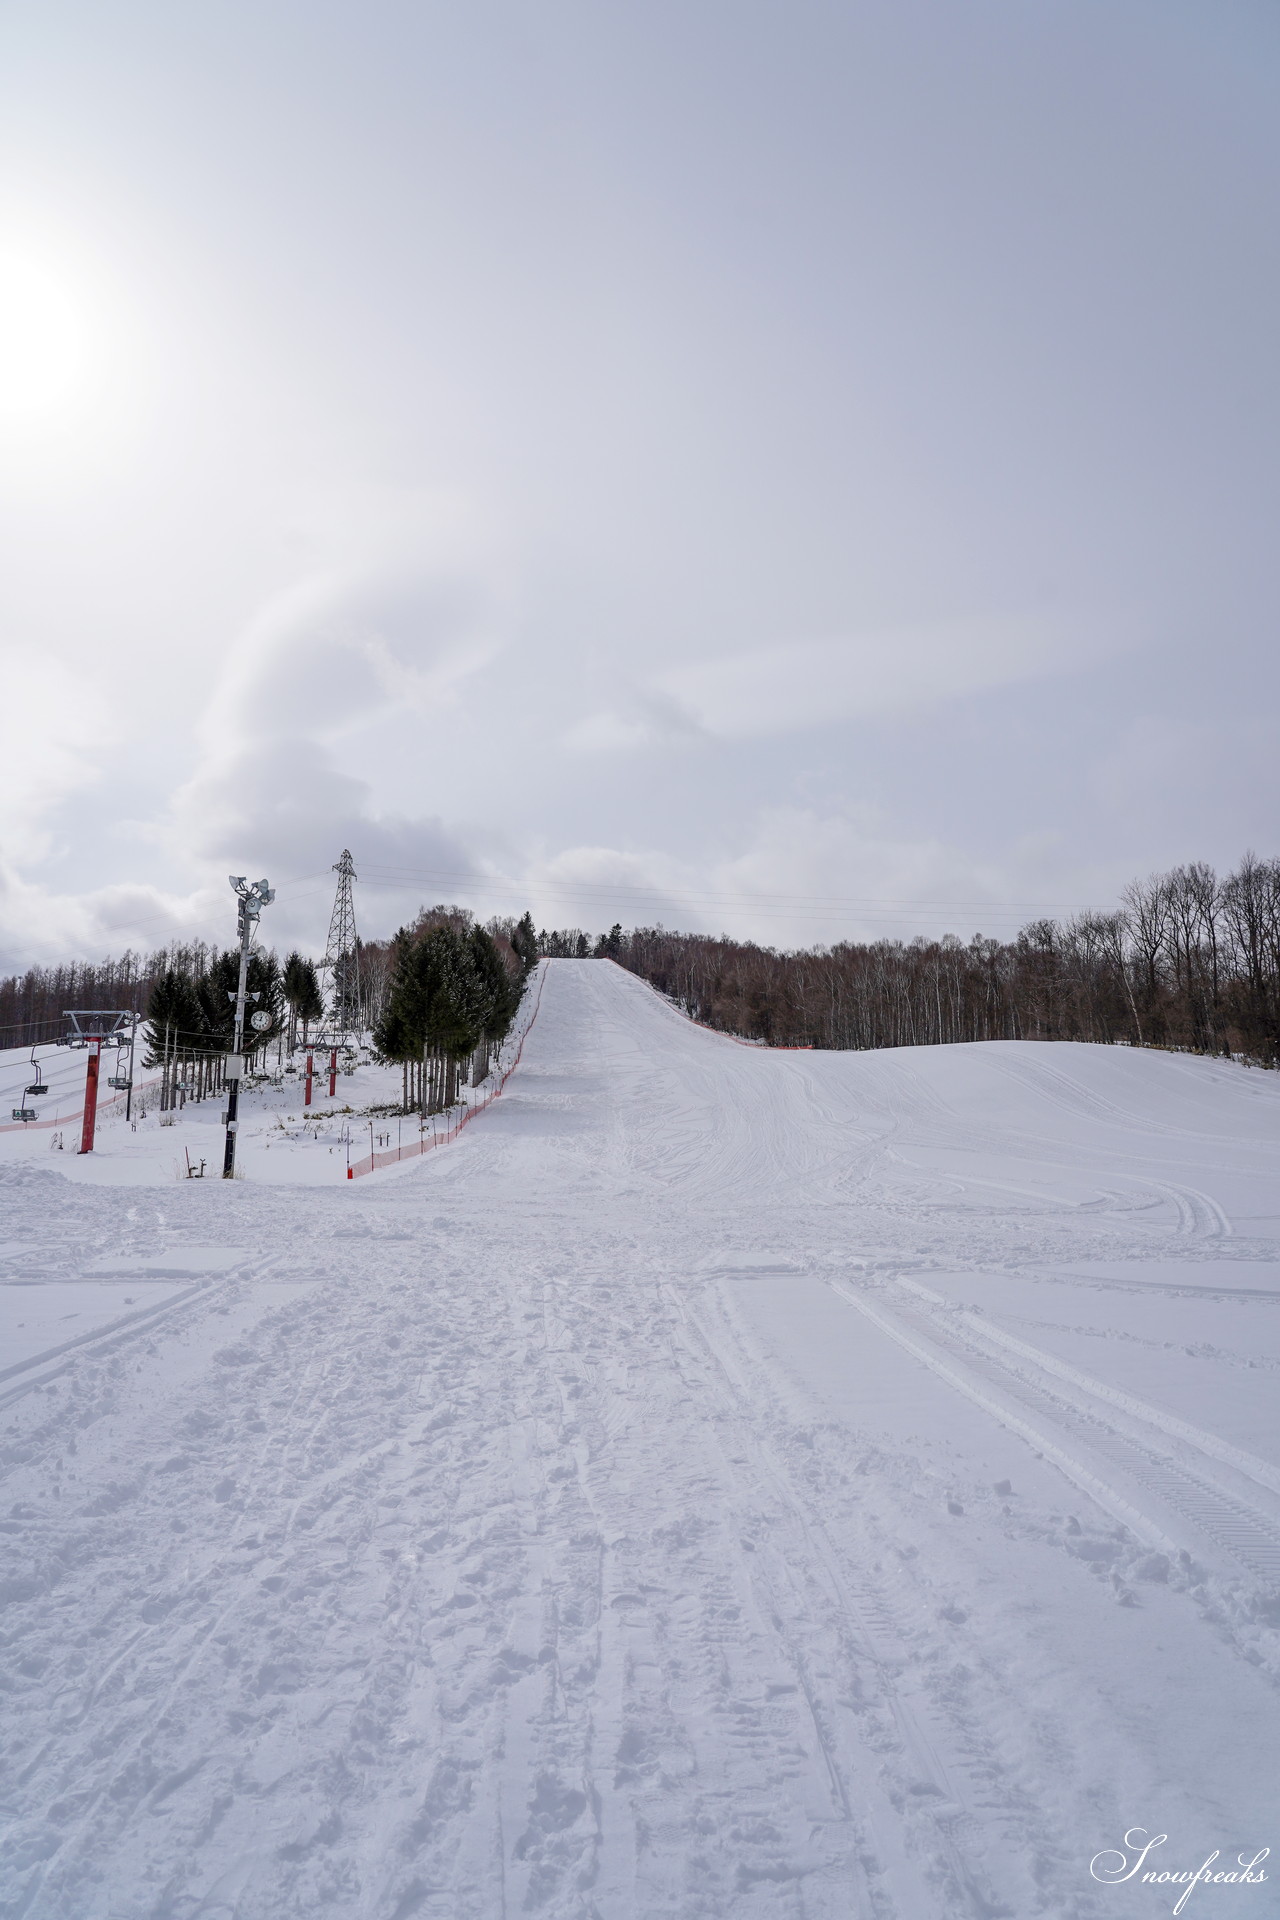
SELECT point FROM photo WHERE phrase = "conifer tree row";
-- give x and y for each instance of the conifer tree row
(190, 1021)
(451, 999)
(300, 984)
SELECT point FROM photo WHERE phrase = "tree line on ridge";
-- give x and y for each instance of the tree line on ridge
(1190, 960)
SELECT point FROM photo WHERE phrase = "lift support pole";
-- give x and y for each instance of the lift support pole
(91, 1095)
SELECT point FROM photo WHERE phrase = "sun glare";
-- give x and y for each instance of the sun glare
(42, 341)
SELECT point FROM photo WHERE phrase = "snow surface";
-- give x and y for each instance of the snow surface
(722, 1482)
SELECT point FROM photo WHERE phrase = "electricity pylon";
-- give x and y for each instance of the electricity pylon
(341, 959)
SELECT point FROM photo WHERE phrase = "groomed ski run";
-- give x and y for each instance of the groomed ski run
(720, 1483)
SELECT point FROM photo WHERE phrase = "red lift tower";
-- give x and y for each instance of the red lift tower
(93, 1031)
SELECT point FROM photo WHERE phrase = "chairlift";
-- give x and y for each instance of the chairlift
(37, 1086)
(25, 1113)
(120, 1082)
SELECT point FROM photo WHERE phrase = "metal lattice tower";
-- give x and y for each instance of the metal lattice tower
(341, 960)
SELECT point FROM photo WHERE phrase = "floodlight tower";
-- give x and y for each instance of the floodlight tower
(253, 896)
(341, 958)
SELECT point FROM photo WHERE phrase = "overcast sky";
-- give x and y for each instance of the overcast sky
(803, 469)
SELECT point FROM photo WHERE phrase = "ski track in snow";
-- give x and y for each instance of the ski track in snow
(674, 1498)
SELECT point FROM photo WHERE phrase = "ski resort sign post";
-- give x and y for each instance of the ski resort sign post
(253, 896)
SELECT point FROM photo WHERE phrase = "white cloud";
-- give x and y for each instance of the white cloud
(41, 924)
(803, 877)
(805, 683)
(51, 726)
(810, 877)
(333, 657)
(642, 717)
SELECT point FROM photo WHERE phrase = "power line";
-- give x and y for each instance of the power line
(681, 896)
(873, 909)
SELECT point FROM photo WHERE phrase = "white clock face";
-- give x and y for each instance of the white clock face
(260, 1022)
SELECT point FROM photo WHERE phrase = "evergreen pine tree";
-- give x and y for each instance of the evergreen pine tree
(175, 1017)
(524, 941)
(264, 980)
(217, 989)
(501, 995)
(398, 1035)
(301, 988)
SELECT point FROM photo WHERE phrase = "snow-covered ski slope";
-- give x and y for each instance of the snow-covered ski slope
(722, 1483)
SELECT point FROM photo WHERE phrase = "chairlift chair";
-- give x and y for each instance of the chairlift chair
(120, 1082)
(37, 1086)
